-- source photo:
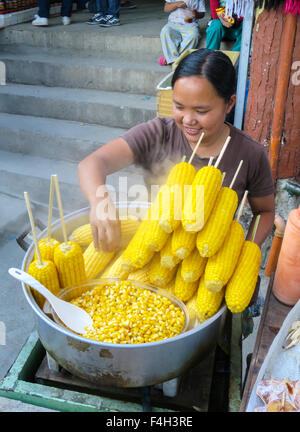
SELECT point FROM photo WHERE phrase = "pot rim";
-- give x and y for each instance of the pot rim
(30, 299)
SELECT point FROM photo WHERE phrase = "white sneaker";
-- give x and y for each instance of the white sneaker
(66, 20)
(39, 21)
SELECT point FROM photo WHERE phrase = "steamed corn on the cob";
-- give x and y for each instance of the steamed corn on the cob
(212, 236)
(193, 266)
(220, 267)
(241, 285)
(181, 175)
(183, 242)
(68, 258)
(141, 274)
(137, 254)
(208, 303)
(46, 274)
(167, 257)
(154, 237)
(46, 247)
(159, 275)
(191, 306)
(201, 198)
(83, 234)
(114, 269)
(184, 290)
(95, 261)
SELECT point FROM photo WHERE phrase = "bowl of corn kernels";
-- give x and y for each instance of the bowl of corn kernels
(128, 312)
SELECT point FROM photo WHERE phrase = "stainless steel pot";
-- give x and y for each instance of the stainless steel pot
(120, 365)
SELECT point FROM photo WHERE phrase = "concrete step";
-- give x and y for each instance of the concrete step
(22, 172)
(137, 35)
(83, 105)
(52, 138)
(62, 68)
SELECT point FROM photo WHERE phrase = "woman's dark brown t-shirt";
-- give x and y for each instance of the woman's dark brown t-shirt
(159, 143)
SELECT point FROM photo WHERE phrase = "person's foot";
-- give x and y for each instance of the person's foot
(39, 21)
(128, 5)
(97, 19)
(66, 20)
(110, 21)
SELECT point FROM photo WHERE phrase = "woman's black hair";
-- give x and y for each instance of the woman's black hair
(215, 66)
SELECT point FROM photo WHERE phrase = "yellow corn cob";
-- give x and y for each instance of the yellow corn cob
(183, 242)
(212, 236)
(181, 174)
(83, 234)
(137, 254)
(46, 274)
(184, 290)
(191, 306)
(46, 247)
(95, 261)
(220, 267)
(170, 288)
(141, 275)
(193, 266)
(68, 258)
(167, 258)
(114, 269)
(200, 198)
(208, 303)
(154, 237)
(159, 275)
(241, 285)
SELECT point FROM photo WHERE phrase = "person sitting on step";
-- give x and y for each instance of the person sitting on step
(222, 26)
(181, 31)
(41, 19)
(107, 14)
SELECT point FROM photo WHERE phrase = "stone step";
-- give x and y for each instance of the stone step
(137, 35)
(111, 109)
(52, 138)
(62, 68)
(19, 173)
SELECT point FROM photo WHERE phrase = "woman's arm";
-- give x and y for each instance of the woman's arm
(171, 7)
(92, 173)
(265, 207)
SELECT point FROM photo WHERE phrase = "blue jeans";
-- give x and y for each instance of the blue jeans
(215, 32)
(44, 8)
(108, 7)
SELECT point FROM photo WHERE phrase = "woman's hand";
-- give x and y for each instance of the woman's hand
(225, 23)
(105, 224)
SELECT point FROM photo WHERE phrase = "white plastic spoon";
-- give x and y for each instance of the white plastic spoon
(72, 316)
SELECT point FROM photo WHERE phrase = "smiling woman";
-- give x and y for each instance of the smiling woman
(203, 94)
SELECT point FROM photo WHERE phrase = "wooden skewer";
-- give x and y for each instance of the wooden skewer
(60, 208)
(51, 195)
(210, 161)
(33, 228)
(196, 147)
(222, 152)
(255, 228)
(283, 400)
(236, 174)
(183, 158)
(242, 206)
(223, 177)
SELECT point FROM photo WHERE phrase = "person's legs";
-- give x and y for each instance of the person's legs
(66, 8)
(190, 37)
(100, 14)
(236, 35)
(214, 35)
(113, 8)
(44, 8)
(170, 42)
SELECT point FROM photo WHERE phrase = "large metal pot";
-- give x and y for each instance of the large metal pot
(135, 365)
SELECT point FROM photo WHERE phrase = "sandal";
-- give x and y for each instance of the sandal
(162, 61)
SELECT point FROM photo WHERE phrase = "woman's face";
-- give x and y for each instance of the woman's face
(198, 108)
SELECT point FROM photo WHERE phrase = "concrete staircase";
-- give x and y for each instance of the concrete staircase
(69, 90)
